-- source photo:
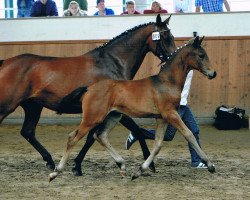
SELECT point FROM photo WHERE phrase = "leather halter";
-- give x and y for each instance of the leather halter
(160, 52)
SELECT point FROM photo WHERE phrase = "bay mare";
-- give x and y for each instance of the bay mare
(34, 82)
(157, 96)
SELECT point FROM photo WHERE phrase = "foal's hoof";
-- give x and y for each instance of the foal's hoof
(123, 173)
(52, 176)
(50, 165)
(77, 171)
(211, 169)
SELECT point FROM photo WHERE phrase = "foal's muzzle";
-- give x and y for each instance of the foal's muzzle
(211, 75)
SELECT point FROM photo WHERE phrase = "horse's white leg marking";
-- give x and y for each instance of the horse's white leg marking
(73, 138)
(101, 137)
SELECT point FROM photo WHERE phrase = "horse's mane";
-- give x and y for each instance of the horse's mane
(125, 33)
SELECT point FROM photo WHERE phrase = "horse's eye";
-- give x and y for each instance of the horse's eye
(202, 56)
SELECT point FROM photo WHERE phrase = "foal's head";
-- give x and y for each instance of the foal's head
(194, 56)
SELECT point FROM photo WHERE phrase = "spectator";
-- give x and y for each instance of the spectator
(23, 8)
(155, 8)
(102, 11)
(130, 6)
(43, 8)
(82, 3)
(74, 10)
(211, 6)
(182, 6)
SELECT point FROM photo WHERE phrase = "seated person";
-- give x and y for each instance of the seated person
(83, 4)
(44, 8)
(130, 6)
(102, 10)
(74, 10)
(23, 8)
(155, 8)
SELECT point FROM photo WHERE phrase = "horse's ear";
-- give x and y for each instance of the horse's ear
(166, 22)
(196, 42)
(201, 40)
(158, 20)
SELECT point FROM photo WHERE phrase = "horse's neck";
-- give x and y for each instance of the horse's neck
(127, 52)
(174, 72)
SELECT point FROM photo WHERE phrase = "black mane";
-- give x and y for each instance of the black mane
(124, 34)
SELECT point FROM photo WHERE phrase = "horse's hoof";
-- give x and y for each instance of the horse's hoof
(152, 167)
(50, 165)
(123, 173)
(52, 176)
(137, 174)
(76, 171)
(211, 169)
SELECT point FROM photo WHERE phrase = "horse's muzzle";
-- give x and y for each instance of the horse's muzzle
(212, 75)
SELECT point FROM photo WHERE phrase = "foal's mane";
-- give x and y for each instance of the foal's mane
(125, 33)
(172, 55)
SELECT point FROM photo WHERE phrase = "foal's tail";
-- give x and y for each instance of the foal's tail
(71, 103)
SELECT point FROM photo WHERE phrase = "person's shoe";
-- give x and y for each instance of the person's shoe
(199, 165)
(130, 141)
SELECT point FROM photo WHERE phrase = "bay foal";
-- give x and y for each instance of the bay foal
(156, 96)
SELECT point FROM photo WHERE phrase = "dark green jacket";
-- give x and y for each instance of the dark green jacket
(82, 3)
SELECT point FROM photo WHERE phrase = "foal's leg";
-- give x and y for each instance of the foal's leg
(176, 121)
(90, 141)
(159, 135)
(32, 115)
(101, 137)
(132, 126)
(73, 139)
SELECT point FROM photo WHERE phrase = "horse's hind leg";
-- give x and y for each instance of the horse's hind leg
(101, 137)
(159, 135)
(90, 141)
(32, 115)
(77, 170)
(132, 126)
(73, 139)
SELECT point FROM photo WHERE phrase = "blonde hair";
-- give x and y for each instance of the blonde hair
(157, 3)
(74, 3)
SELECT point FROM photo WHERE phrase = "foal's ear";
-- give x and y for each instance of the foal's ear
(158, 20)
(166, 22)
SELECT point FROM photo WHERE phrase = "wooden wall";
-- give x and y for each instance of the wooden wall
(229, 56)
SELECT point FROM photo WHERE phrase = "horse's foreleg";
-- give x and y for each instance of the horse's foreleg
(73, 139)
(176, 121)
(101, 136)
(159, 135)
(32, 115)
(132, 126)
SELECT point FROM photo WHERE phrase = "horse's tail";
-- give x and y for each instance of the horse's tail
(1, 62)
(71, 103)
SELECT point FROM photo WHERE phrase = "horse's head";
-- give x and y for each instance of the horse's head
(195, 57)
(161, 42)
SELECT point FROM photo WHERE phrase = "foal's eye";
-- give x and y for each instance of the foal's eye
(202, 56)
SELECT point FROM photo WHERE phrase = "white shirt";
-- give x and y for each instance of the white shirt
(186, 88)
(183, 6)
